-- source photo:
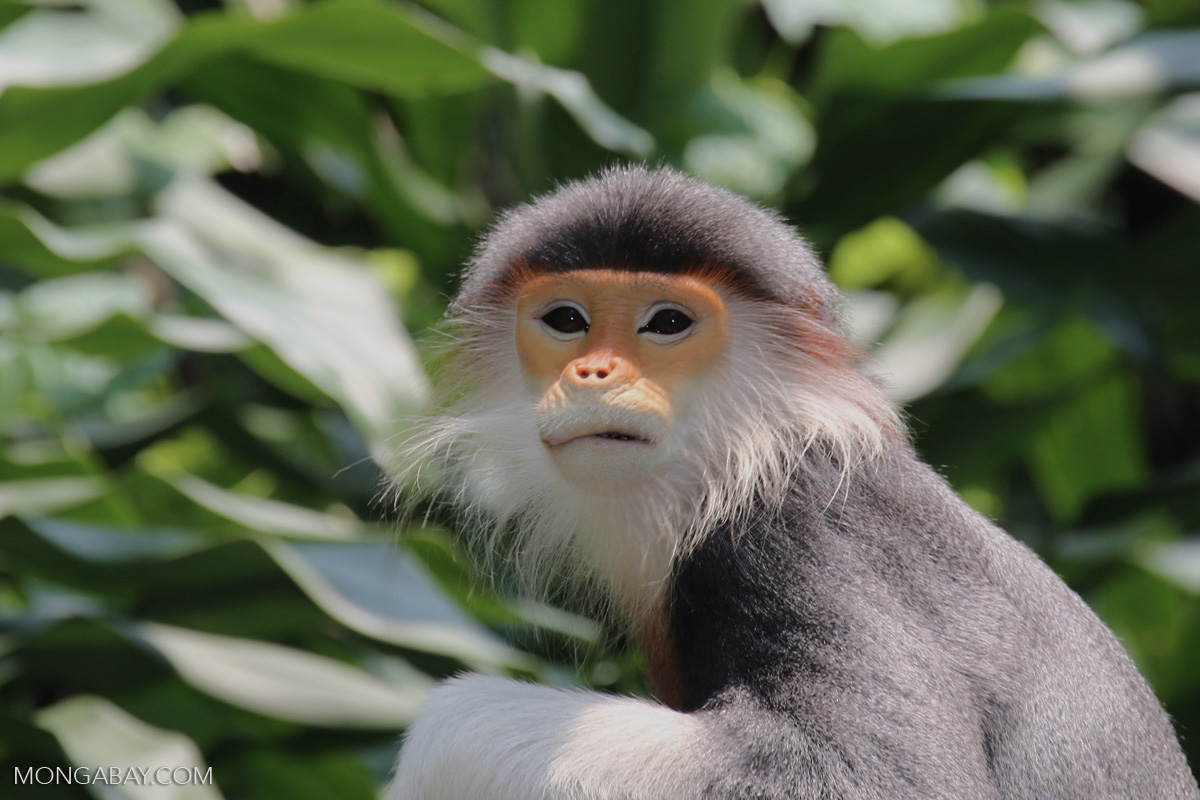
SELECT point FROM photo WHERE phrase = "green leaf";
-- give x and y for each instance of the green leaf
(1159, 624)
(107, 546)
(122, 337)
(380, 592)
(101, 314)
(1088, 28)
(121, 564)
(1177, 562)
(1036, 261)
(1072, 463)
(861, 175)
(11, 11)
(263, 514)
(284, 682)
(976, 440)
(930, 339)
(63, 42)
(199, 334)
(322, 314)
(692, 39)
(755, 134)
(878, 22)
(46, 495)
(882, 140)
(329, 128)
(886, 249)
(575, 93)
(1168, 146)
(373, 45)
(38, 122)
(114, 662)
(1155, 63)
(849, 65)
(62, 308)
(476, 17)
(1057, 362)
(30, 241)
(551, 28)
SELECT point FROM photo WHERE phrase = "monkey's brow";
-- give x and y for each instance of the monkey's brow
(651, 283)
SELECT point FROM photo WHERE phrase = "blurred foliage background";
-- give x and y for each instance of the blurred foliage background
(224, 225)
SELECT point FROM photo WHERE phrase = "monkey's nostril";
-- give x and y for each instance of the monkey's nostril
(593, 370)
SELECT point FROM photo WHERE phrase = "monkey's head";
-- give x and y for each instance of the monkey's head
(636, 359)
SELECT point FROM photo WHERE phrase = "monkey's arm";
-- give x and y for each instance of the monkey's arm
(487, 738)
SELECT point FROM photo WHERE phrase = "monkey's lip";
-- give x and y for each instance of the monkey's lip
(623, 437)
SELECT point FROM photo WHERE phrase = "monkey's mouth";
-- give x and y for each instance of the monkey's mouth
(620, 437)
(613, 436)
(601, 428)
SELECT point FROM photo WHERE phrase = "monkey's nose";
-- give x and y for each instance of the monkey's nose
(594, 370)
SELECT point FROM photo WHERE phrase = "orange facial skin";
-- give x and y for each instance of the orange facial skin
(612, 362)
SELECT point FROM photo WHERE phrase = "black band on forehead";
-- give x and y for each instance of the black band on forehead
(658, 220)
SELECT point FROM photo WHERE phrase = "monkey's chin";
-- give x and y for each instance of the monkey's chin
(606, 466)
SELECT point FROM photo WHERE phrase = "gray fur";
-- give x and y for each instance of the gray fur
(656, 221)
(895, 644)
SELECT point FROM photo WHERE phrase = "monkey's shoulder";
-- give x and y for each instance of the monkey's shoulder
(882, 570)
(897, 615)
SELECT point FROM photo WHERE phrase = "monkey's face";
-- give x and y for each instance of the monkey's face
(613, 357)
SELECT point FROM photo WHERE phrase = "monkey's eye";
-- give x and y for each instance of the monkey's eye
(566, 320)
(667, 322)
